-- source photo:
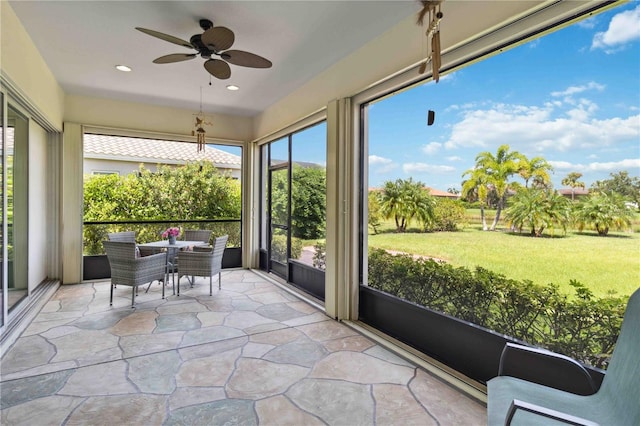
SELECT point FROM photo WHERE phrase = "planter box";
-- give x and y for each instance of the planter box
(466, 347)
(95, 267)
(307, 278)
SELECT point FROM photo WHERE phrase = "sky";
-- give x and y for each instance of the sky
(571, 97)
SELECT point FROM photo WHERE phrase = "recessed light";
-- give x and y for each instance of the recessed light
(123, 68)
(232, 87)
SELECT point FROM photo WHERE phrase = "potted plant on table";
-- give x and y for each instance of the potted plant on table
(171, 234)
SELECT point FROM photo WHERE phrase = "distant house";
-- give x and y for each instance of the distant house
(123, 155)
(432, 191)
(573, 192)
(442, 194)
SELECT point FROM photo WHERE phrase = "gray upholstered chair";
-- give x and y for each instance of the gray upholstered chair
(521, 402)
(203, 261)
(127, 269)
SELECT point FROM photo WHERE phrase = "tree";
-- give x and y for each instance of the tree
(375, 214)
(537, 169)
(405, 200)
(538, 209)
(621, 183)
(603, 211)
(498, 169)
(308, 201)
(572, 181)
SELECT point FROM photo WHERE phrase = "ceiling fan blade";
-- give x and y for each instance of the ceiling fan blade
(174, 57)
(218, 38)
(218, 69)
(166, 37)
(245, 59)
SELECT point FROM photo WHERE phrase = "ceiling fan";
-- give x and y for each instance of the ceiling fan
(213, 42)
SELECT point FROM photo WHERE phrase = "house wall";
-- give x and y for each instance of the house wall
(38, 211)
(123, 168)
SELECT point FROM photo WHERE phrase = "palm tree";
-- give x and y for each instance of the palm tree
(537, 168)
(499, 168)
(405, 200)
(538, 209)
(477, 187)
(572, 181)
(603, 211)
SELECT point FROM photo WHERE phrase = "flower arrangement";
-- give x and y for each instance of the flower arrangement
(171, 232)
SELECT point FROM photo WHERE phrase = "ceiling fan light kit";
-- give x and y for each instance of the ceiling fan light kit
(214, 41)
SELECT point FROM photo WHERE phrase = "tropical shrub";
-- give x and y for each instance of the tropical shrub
(320, 255)
(447, 215)
(195, 191)
(583, 327)
(406, 200)
(602, 211)
(538, 210)
(279, 248)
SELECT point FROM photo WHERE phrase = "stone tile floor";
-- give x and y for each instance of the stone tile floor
(250, 354)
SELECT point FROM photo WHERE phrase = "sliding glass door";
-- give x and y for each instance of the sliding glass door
(17, 198)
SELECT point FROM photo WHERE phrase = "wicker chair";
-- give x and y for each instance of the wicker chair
(189, 235)
(130, 237)
(197, 235)
(203, 262)
(127, 269)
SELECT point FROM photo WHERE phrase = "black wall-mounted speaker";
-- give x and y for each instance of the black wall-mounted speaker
(431, 117)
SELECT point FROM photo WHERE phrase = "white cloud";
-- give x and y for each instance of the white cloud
(381, 164)
(534, 43)
(549, 127)
(588, 23)
(610, 166)
(447, 77)
(375, 159)
(628, 163)
(454, 158)
(431, 148)
(411, 168)
(572, 90)
(623, 28)
(565, 165)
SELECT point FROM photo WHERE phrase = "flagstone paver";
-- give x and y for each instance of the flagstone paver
(250, 354)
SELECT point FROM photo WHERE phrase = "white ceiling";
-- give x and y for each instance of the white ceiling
(82, 41)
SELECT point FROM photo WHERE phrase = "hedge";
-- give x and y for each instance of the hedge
(582, 327)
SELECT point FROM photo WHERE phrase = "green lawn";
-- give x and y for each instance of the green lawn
(601, 263)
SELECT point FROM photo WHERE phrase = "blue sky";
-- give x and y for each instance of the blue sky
(572, 97)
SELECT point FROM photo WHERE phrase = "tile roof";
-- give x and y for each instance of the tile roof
(575, 191)
(439, 193)
(432, 191)
(153, 151)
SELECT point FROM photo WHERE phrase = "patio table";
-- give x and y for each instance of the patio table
(164, 244)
